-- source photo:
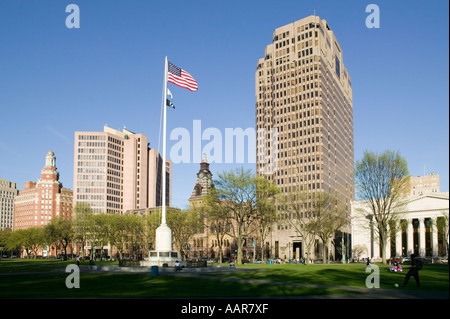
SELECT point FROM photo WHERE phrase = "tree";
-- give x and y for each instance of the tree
(184, 225)
(295, 205)
(135, 228)
(82, 222)
(98, 232)
(266, 212)
(117, 233)
(60, 231)
(151, 223)
(236, 190)
(382, 183)
(215, 218)
(29, 239)
(327, 214)
(358, 250)
(4, 236)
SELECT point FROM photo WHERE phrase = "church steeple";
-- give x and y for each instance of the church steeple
(204, 165)
(203, 182)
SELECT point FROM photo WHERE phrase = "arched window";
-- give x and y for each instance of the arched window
(198, 190)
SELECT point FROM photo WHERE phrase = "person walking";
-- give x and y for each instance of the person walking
(177, 266)
(416, 265)
(368, 263)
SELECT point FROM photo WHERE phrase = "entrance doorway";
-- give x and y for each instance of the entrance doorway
(297, 247)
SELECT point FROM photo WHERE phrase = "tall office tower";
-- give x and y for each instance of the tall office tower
(304, 100)
(116, 171)
(43, 200)
(8, 191)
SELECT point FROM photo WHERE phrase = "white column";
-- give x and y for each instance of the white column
(434, 237)
(388, 242)
(398, 241)
(422, 247)
(410, 243)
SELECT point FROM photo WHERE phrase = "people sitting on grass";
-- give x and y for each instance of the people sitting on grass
(396, 267)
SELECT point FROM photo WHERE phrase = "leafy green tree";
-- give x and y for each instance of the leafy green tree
(59, 232)
(266, 212)
(117, 234)
(236, 190)
(184, 225)
(4, 236)
(151, 223)
(216, 219)
(135, 228)
(29, 239)
(327, 214)
(82, 217)
(382, 183)
(98, 232)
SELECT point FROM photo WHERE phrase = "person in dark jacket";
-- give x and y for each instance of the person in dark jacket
(413, 271)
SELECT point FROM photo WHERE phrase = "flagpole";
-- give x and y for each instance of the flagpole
(163, 218)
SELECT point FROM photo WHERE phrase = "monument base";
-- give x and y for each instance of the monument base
(161, 259)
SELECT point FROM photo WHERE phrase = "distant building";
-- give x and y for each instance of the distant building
(8, 192)
(116, 171)
(40, 201)
(423, 185)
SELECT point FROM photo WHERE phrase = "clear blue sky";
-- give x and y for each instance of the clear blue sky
(111, 68)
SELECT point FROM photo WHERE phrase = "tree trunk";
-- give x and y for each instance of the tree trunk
(240, 244)
(324, 252)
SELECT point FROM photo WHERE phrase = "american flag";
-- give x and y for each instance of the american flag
(181, 78)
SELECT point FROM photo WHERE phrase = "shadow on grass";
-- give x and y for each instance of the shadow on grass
(142, 286)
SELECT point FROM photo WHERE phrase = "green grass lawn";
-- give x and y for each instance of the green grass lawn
(40, 282)
(433, 277)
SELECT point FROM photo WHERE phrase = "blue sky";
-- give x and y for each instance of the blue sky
(111, 68)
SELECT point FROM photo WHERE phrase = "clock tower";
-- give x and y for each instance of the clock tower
(202, 184)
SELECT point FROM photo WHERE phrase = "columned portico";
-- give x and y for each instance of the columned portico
(421, 229)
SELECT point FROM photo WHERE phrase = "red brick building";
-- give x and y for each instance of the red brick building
(40, 201)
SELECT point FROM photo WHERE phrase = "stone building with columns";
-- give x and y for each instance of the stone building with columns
(422, 229)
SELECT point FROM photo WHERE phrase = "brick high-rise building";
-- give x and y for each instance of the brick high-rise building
(304, 100)
(424, 185)
(8, 192)
(115, 171)
(43, 200)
